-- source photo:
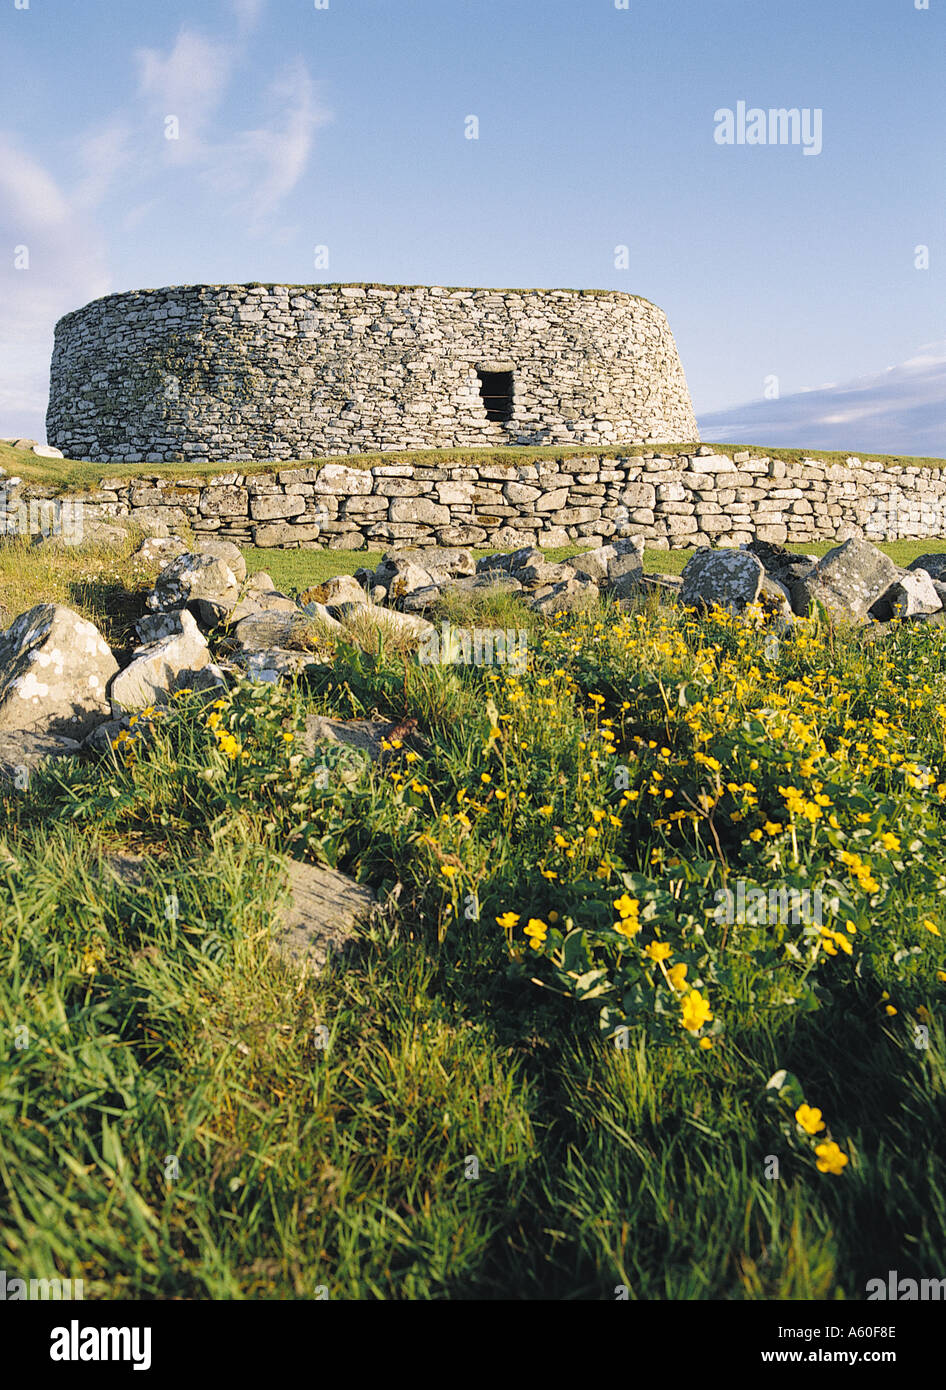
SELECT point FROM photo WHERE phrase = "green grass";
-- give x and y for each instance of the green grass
(65, 475)
(173, 1125)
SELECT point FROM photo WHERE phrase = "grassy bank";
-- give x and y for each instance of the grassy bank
(66, 475)
(446, 1116)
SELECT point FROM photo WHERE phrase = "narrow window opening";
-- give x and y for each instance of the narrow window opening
(496, 391)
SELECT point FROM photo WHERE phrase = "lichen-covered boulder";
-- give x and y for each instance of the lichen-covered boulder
(190, 577)
(55, 667)
(617, 568)
(730, 579)
(847, 581)
(230, 554)
(913, 596)
(160, 667)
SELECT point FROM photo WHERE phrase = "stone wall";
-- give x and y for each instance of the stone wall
(237, 372)
(701, 498)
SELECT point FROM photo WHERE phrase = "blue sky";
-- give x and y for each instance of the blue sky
(345, 127)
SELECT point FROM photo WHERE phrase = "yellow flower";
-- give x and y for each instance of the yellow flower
(810, 1119)
(536, 930)
(706, 1044)
(772, 828)
(627, 907)
(696, 1011)
(658, 951)
(890, 1010)
(449, 870)
(931, 927)
(677, 975)
(508, 920)
(545, 810)
(830, 1158)
(889, 841)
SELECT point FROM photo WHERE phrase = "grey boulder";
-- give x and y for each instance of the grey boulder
(54, 672)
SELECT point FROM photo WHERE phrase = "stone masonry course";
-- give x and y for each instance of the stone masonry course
(254, 372)
(699, 498)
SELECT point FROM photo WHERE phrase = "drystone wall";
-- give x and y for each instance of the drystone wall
(238, 372)
(696, 499)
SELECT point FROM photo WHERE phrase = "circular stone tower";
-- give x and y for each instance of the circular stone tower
(260, 372)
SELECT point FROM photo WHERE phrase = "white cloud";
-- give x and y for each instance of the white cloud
(259, 168)
(901, 410)
(247, 172)
(67, 266)
(188, 82)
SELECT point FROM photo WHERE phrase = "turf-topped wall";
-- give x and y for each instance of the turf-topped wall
(244, 372)
(701, 498)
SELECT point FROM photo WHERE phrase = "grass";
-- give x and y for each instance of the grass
(64, 475)
(182, 1116)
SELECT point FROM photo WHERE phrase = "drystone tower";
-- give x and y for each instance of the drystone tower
(261, 372)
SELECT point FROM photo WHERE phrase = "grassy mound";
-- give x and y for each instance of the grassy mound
(544, 1072)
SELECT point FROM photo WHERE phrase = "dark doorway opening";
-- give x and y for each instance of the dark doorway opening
(496, 390)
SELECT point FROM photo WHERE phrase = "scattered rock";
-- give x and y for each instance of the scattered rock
(847, 581)
(399, 624)
(22, 751)
(344, 588)
(935, 565)
(914, 595)
(731, 579)
(46, 451)
(568, 597)
(260, 631)
(617, 568)
(275, 663)
(160, 667)
(54, 672)
(158, 548)
(230, 554)
(190, 577)
(323, 916)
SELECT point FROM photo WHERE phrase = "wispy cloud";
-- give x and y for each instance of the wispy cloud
(66, 265)
(901, 410)
(246, 170)
(259, 168)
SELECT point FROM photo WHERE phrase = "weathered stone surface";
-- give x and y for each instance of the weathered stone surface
(226, 551)
(847, 581)
(275, 663)
(935, 565)
(568, 597)
(151, 627)
(54, 671)
(259, 631)
(616, 568)
(731, 579)
(160, 667)
(160, 549)
(281, 533)
(387, 619)
(323, 917)
(22, 751)
(913, 595)
(189, 577)
(343, 588)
